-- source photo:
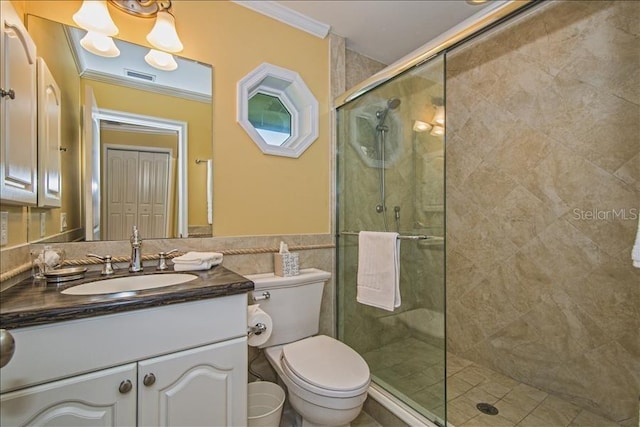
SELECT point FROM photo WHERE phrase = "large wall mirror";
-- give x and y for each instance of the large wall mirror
(151, 132)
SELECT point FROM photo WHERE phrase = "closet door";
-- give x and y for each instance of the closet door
(152, 194)
(122, 193)
(137, 193)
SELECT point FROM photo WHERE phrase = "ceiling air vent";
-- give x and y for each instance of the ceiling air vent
(140, 76)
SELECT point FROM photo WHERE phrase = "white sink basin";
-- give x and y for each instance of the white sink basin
(127, 284)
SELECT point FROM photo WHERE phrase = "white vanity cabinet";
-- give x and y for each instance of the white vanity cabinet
(196, 387)
(18, 111)
(102, 398)
(178, 365)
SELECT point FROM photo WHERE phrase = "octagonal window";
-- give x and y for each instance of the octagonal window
(277, 111)
(270, 118)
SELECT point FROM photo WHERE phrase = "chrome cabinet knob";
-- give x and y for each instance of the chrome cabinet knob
(125, 387)
(7, 347)
(10, 93)
(149, 379)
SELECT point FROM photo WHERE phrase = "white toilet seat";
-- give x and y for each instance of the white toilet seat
(326, 367)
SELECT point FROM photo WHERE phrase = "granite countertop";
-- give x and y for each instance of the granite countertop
(33, 302)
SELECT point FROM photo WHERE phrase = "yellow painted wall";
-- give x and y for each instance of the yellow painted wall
(254, 193)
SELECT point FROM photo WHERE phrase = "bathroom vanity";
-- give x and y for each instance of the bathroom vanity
(168, 356)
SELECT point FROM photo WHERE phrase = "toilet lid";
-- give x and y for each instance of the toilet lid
(326, 363)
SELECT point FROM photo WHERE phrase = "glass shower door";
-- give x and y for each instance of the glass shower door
(391, 178)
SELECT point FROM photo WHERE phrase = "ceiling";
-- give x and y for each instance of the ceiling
(386, 30)
(191, 79)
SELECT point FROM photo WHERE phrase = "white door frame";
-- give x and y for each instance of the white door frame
(167, 124)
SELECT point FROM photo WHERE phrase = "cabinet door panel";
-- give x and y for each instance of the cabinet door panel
(86, 400)
(18, 150)
(205, 386)
(49, 131)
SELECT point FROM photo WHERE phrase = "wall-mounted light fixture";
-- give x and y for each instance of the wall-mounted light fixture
(435, 122)
(420, 126)
(161, 60)
(94, 17)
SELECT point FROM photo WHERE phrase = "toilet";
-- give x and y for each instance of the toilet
(326, 380)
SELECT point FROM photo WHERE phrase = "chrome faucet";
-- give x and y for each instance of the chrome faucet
(135, 264)
(107, 267)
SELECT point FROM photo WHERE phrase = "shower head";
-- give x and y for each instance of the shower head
(392, 104)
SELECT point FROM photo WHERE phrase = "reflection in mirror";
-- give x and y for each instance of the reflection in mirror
(129, 86)
(141, 184)
(270, 117)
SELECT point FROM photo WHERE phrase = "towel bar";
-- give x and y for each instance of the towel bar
(402, 237)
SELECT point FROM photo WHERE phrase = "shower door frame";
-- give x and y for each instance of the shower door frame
(477, 24)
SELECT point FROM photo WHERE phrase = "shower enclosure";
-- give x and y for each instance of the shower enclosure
(542, 190)
(391, 178)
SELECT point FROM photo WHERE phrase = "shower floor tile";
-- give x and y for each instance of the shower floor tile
(411, 367)
(518, 404)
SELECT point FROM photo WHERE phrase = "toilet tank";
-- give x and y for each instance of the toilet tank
(294, 303)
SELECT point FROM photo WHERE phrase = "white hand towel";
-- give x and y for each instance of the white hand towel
(196, 261)
(635, 253)
(379, 269)
(197, 257)
(204, 265)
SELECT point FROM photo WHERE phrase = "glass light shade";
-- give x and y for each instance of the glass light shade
(437, 131)
(419, 126)
(100, 45)
(161, 60)
(163, 35)
(439, 116)
(93, 15)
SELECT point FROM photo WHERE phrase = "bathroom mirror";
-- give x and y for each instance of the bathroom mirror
(127, 91)
(277, 110)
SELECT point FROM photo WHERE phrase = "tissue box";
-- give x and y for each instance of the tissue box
(287, 264)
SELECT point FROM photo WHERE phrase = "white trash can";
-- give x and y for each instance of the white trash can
(265, 400)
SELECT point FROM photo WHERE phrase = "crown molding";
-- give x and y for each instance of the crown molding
(125, 127)
(287, 16)
(127, 82)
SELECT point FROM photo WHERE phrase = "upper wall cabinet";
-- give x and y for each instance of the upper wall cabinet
(49, 131)
(277, 110)
(18, 139)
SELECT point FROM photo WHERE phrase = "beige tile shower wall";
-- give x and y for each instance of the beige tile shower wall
(359, 68)
(543, 193)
